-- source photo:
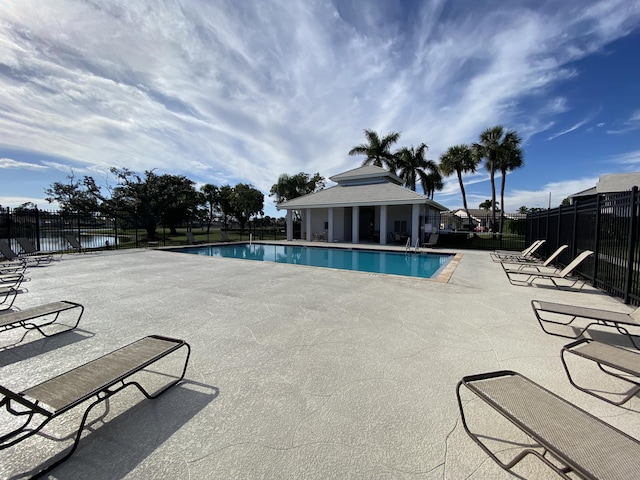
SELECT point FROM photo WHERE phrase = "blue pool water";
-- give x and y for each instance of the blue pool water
(424, 265)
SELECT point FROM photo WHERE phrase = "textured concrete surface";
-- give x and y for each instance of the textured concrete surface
(295, 372)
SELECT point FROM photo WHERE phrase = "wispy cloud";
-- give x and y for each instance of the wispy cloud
(10, 163)
(227, 91)
(629, 125)
(570, 129)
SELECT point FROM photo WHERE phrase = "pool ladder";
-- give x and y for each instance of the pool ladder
(416, 248)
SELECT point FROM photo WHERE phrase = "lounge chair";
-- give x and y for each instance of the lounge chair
(565, 315)
(527, 253)
(74, 243)
(9, 291)
(28, 249)
(612, 360)
(536, 263)
(36, 318)
(12, 256)
(555, 276)
(224, 236)
(433, 241)
(561, 435)
(86, 386)
(191, 239)
(16, 266)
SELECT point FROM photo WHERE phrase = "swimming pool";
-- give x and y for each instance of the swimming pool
(422, 265)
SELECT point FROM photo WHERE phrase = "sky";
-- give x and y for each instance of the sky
(228, 91)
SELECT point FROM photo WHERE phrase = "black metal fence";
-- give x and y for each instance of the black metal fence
(47, 230)
(607, 224)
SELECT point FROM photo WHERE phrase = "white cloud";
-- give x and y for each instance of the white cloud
(10, 163)
(228, 91)
(570, 129)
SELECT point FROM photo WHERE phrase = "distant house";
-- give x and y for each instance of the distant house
(480, 219)
(615, 182)
(368, 204)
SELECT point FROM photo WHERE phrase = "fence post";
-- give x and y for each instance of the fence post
(558, 229)
(574, 234)
(633, 227)
(596, 247)
(38, 246)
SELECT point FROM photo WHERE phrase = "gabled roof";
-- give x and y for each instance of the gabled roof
(615, 182)
(360, 195)
(364, 174)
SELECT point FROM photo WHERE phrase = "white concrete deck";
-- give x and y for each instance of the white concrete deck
(296, 372)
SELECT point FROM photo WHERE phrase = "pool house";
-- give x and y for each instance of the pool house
(367, 205)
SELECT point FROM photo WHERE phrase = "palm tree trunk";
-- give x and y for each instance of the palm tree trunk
(504, 179)
(493, 197)
(464, 197)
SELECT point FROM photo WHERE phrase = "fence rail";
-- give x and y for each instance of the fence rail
(607, 224)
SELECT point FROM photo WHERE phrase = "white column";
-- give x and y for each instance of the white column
(415, 223)
(308, 223)
(330, 230)
(383, 225)
(289, 225)
(355, 225)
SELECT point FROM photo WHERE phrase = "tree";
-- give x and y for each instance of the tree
(411, 166)
(245, 202)
(78, 195)
(487, 205)
(168, 199)
(508, 160)
(491, 146)
(377, 150)
(523, 210)
(459, 159)
(211, 200)
(294, 186)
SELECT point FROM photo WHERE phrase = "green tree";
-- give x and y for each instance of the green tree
(78, 195)
(377, 149)
(246, 201)
(509, 159)
(459, 159)
(487, 205)
(523, 210)
(294, 186)
(411, 166)
(211, 201)
(168, 199)
(492, 144)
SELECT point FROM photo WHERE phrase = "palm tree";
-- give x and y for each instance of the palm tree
(377, 150)
(511, 158)
(492, 145)
(412, 166)
(459, 159)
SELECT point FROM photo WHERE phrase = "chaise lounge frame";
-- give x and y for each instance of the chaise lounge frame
(625, 365)
(26, 318)
(594, 316)
(554, 276)
(576, 440)
(95, 381)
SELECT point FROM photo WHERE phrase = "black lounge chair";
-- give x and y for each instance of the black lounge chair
(191, 239)
(86, 386)
(515, 275)
(29, 249)
(565, 315)
(12, 256)
(37, 318)
(15, 266)
(74, 243)
(563, 436)
(612, 360)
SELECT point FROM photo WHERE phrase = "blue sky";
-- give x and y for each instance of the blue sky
(227, 91)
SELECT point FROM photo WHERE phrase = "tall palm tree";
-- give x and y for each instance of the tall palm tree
(412, 166)
(511, 157)
(492, 144)
(377, 149)
(459, 159)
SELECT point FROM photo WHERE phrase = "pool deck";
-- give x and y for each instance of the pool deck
(295, 372)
